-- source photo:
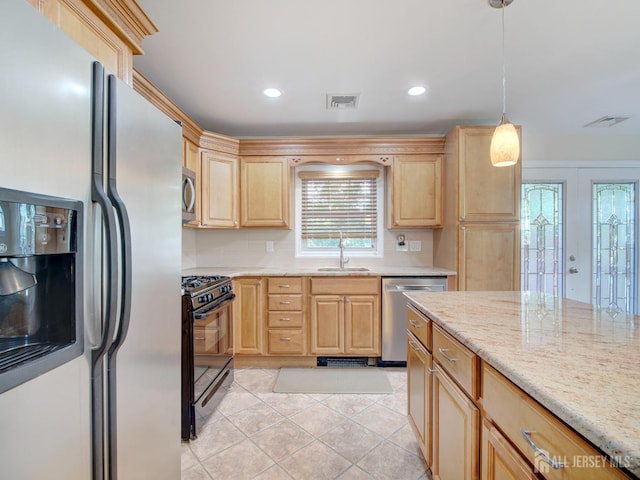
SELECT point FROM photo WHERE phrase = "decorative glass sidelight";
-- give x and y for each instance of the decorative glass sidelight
(542, 229)
(614, 246)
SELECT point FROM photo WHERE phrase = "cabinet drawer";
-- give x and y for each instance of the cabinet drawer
(420, 326)
(513, 411)
(284, 285)
(284, 319)
(457, 360)
(285, 302)
(345, 285)
(286, 342)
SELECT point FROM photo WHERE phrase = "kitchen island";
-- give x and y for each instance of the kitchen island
(580, 363)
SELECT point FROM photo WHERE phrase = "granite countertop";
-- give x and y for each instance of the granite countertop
(581, 363)
(313, 271)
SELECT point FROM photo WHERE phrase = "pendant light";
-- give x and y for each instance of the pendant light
(505, 143)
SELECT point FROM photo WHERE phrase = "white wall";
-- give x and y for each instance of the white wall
(580, 148)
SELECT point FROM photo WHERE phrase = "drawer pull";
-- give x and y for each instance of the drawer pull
(413, 346)
(200, 338)
(285, 339)
(283, 286)
(539, 452)
(285, 319)
(443, 352)
(285, 303)
(415, 324)
(431, 370)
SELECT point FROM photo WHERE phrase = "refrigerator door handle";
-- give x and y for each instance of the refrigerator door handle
(110, 239)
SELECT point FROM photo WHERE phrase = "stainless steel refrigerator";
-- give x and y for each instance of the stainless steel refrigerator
(54, 112)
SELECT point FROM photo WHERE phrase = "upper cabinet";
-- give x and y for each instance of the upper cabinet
(416, 191)
(264, 192)
(219, 190)
(110, 30)
(487, 193)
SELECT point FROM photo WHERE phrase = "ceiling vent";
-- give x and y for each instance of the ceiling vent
(341, 101)
(606, 121)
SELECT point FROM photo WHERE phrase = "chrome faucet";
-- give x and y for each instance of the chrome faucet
(343, 259)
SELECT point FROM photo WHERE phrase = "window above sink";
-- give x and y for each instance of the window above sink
(334, 198)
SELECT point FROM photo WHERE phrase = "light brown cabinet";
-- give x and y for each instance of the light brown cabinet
(480, 237)
(416, 191)
(219, 190)
(419, 382)
(489, 256)
(286, 326)
(455, 430)
(345, 316)
(526, 423)
(248, 316)
(500, 461)
(265, 192)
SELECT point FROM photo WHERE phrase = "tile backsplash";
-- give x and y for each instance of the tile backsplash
(248, 248)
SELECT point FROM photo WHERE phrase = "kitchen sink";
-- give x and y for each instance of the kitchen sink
(345, 269)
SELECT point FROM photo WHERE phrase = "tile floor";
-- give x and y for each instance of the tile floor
(257, 434)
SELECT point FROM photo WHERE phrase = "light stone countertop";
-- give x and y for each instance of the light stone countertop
(382, 271)
(581, 363)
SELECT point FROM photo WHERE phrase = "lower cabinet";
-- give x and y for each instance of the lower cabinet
(500, 461)
(248, 316)
(419, 381)
(345, 316)
(455, 430)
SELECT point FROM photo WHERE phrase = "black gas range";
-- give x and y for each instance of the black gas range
(207, 347)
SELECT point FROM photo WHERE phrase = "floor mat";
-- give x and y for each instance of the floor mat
(332, 380)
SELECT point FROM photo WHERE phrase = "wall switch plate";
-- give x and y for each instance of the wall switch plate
(415, 245)
(269, 246)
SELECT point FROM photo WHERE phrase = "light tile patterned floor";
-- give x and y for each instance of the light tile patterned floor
(257, 434)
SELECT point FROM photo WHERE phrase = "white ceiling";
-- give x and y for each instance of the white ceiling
(568, 62)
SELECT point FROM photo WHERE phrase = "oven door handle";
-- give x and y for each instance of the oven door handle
(209, 309)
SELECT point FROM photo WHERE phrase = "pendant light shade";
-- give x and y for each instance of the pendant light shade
(505, 143)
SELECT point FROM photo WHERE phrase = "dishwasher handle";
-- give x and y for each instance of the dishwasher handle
(415, 288)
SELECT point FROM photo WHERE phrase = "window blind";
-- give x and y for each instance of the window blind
(339, 201)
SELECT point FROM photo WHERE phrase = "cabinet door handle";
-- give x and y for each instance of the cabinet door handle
(539, 452)
(431, 370)
(443, 352)
(285, 303)
(415, 324)
(285, 339)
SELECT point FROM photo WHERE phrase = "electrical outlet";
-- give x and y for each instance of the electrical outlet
(269, 246)
(415, 245)
(401, 243)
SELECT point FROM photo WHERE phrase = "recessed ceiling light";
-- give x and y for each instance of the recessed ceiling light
(415, 91)
(272, 92)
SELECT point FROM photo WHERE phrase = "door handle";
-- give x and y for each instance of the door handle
(573, 270)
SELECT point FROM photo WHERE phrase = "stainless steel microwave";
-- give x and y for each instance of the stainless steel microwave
(188, 195)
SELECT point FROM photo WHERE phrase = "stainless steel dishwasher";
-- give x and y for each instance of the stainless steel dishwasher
(394, 313)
